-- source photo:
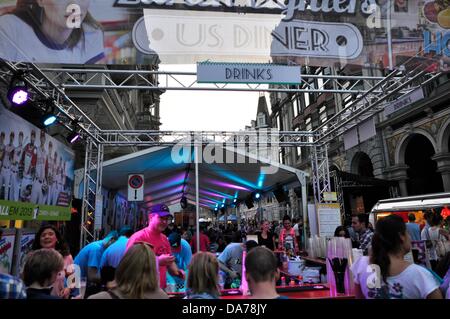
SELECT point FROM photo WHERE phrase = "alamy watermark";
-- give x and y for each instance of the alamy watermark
(254, 146)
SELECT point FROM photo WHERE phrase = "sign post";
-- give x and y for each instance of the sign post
(135, 187)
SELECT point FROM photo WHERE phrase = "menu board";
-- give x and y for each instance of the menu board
(329, 217)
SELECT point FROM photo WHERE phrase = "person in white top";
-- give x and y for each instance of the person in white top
(433, 233)
(37, 194)
(16, 179)
(51, 31)
(385, 274)
(5, 176)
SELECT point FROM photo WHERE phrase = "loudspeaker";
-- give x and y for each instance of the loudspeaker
(280, 195)
(249, 202)
(183, 202)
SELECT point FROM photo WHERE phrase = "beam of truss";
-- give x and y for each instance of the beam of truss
(371, 103)
(99, 79)
(271, 138)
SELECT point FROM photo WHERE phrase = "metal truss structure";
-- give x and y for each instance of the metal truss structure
(104, 79)
(51, 83)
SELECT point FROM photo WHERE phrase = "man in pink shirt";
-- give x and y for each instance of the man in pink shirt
(159, 217)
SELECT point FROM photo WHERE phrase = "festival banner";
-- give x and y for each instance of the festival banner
(36, 172)
(367, 33)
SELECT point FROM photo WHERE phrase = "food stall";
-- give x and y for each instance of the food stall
(416, 205)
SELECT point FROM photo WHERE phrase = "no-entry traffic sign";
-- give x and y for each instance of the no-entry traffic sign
(135, 187)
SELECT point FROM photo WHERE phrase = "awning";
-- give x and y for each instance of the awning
(166, 179)
(412, 203)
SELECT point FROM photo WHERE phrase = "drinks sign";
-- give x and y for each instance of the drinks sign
(247, 73)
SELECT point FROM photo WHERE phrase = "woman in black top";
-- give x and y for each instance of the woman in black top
(265, 237)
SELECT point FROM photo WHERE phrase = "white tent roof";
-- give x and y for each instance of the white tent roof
(412, 203)
(167, 180)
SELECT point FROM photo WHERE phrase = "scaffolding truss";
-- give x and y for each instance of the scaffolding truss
(104, 79)
(52, 83)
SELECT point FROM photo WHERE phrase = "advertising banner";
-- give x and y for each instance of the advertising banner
(36, 172)
(26, 244)
(374, 33)
(6, 252)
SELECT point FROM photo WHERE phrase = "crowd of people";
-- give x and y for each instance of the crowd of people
(158, 261)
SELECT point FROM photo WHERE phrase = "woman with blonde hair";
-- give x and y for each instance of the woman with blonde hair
(203, 277)
(136, 276)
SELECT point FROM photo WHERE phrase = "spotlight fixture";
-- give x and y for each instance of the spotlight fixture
(257, 195)
(183, 202)
(249, 202)
(18, 92)
(280, 195)
(73, 137)
(49, 117)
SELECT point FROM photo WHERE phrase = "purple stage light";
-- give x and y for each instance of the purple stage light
(75, 138)
(18, 95)
(227, 185)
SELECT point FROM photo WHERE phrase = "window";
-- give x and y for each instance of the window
(323, 114)
(306, 95)
(308, 124)
(296, 106)
(261, 120)
(298, 149)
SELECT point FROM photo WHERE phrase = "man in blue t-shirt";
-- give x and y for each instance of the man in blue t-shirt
(88, 259)
(113, 255)
(413, 228)
(182, 252)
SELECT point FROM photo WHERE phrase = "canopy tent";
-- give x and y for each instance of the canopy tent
(167, 178)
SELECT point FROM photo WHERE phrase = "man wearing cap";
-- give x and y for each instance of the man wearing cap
(181, 250)
(37, 194)
(88, 259)
(159, 218)
(16, 179)
(28, 162)
(5, 176)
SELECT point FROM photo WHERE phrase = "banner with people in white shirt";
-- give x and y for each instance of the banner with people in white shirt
(369, 33)
(36, 172)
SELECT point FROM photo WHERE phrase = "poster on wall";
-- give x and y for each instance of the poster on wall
(329, 218)
(26, 244)
(6, 252)
(37, 172)
(316, 33)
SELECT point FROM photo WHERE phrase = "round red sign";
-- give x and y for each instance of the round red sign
(135, 181)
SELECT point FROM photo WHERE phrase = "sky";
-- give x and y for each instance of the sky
(206, 110)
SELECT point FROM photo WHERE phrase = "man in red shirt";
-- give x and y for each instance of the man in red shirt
(159, 217)
(204, 241)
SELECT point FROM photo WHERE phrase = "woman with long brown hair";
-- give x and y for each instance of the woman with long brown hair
(136, 276)
(203, 277)
(51, 31)
(385, 274)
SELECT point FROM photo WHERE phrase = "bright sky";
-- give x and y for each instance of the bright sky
(206, 110)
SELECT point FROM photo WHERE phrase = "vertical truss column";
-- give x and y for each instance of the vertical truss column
(339, 193)
(320, 172)
(91, 178)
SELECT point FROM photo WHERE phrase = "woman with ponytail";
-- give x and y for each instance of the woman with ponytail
(385, 274)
